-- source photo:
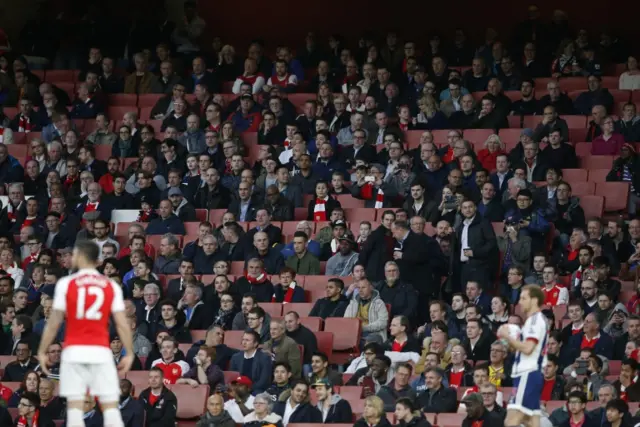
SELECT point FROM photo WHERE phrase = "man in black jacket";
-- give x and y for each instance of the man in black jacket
(397, 293)
(334, 304)
(475, 250)
(298, 401)
(212, 195)
(490, 117)
(437, 398)
(477, 414)
(130, 408)
(160, 404)
(303, 336)
(378, 249)
(334, 409)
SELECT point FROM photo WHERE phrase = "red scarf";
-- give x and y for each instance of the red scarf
(10, 213)
(287, 143)
(91, 207)
(24, 124)
(1, 133)
(22, 422)
(68, 183)
(143, 216)
(367, 193)
(28, 221)
(214, 128)
(227, 167)
(288, 295)
(403, 126)
(256, 280)
(320, 210)
(29, 259)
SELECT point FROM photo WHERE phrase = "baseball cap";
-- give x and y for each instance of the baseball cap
(247, 96)
(473, 398)
(346, 237)
(338, 223)
(322, 381)
(174, 191)
(528, 132)
(243, 380)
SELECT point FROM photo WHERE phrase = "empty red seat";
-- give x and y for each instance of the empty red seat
(577, 134)
(103, 152)
(598, 175)
(149, 99)
(514, 121)
(593, 206)
(509, 135)
(237, 268)
(583, 188)
(616, 195)
(574, 175)
(60, 76)
(360, 214)
(532, 121)
(17, 150)
(348, 201)
(346, 337)
(139, 379)
(233, 339)
(583, 149)
(302, 308)
(314, 324)
(450, 419)
(274, 309)
(122, 99)
(596, 162)
(575, 121)
(477, 136)
(191, 400)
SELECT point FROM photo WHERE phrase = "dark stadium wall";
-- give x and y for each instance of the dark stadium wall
(287, 21)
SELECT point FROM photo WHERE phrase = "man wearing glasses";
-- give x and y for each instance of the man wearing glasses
(29, 412)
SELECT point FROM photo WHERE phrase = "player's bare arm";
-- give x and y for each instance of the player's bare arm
(526, 347)
(124, 332)
(48, 336)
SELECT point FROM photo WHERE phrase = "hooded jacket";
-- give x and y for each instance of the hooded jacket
(615, 330)
(304, 413)
(339, 411)
(378, 315)
(222, 420)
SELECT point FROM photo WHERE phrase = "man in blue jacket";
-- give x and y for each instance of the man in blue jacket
(10, 168)
(591, 336)
(168, 222)
(301, 410)
(252, 362)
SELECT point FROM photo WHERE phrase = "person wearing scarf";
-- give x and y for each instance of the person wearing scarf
(226, 312)
(29, 412)
(322, 206)
(288, 291)
(255, 280)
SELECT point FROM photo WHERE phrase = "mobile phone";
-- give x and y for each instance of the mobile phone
(369, 178)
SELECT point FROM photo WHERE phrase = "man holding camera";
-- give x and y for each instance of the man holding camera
(373, 189)
(531, 220)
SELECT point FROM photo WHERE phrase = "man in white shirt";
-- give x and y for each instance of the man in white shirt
(101, 231)
(242, 404)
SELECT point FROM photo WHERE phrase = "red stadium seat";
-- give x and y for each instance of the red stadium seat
(116, 112)
(122, 99)
(477, 136)
(596, 162)
(325, 342)
(616, 195)
(348, 201)
(233, 339)
(215, 215)
(620, 95)
(510, 135)
(18, 151)
(273, 308)
(59, 76)
(532, 121)
(360, 214)
(237, 268)
(583, 149)
(450, 419)
(577, 134)
(346, 337)
(145, 114)
(513, 95)
(148, 99)
(314, 324)
(598, 175)
(202, 214)
(574, 175)
(593, 206)
(412, 138)
(191, 400)
(19, 138)
(583, 188)
(302, 308)
(514, 122)
(103, 152)
(198, 334)
(351, 392)
(576, 122)
(191, 227)
(139, 379)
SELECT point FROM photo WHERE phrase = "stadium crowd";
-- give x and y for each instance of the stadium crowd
(329, 234)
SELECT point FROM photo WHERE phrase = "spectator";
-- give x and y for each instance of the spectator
(437, 398)
(554, 295)
(263, 412)
(168, 222)
(18, 369)
(168, 261)
(288, 290)
(181, 206)
(590, 337)
(374, 414)
(595, 95)
(625, 385)
(477, 342)
(205, 258)
(51, 406)
(398, 388)
(550, 121)
(281, 380)
(333, 407)
(29, 412)
(141, 80)
(29, 383)
(493, 147)
(408, 414)
(629, 123)
(302, 261)
(282, 348)
(459, 372)
(300, 409)
(476, 412)
(397, 293)
(342, 262)
(334, 304)
(370, 309)
(205, 372)
(216, 414)
(320, 370)
(252, 363)
(160, 404)
(609, 142)
(172, 368)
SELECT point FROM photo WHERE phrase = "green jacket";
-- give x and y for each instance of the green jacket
(307, 265)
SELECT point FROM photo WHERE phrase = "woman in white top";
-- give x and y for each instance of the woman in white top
(630, 79)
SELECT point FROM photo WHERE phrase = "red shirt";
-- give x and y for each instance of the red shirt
(396, 346)
(173, 370)
(589, 343)
(153, 399)
(547, 388)
(89, 299)
(455, 379)
(551, 296)
(5, 393)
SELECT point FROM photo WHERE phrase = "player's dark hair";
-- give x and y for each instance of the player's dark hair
(32, 397)
(156, 369)
(25, 321)
(284, 364)
(88, 249)
(321, 355)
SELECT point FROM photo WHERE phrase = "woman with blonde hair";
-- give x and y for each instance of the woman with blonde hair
(325, 99)
(373, 414)
(429, 116)
(493, 147)
(228, 68)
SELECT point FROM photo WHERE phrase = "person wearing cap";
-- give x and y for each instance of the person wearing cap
(477, 413)
(294, 405)
(247, 117)
(342, 262)
(332, 245)
(181, 206)
(334, 408)
(532, 220)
